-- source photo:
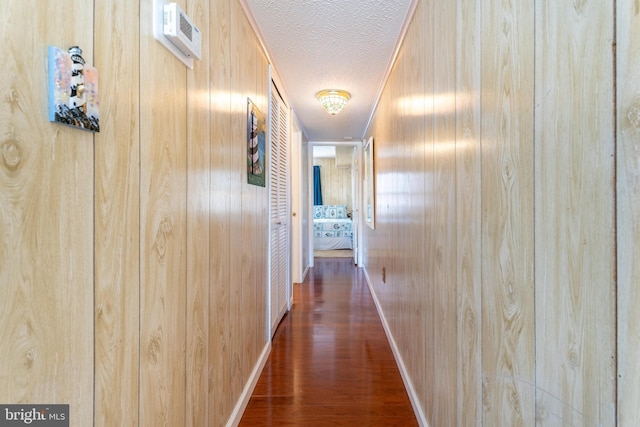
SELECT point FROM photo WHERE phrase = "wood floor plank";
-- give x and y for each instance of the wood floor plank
(331, 363)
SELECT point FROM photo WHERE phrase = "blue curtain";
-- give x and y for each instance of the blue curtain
(317, 186)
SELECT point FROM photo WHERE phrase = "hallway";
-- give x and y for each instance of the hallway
(331, 363)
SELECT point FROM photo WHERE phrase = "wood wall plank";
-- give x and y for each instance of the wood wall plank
(574, 257)
(117, 211)
(628, 211)
(427, 298)
(248, 225)
(445, 227)
(198, 222)
(46, 254)
(220, 398)
(240, 59)
(411, 208)
(394, 262)
(469, 214)
(163, 135)
(507, 213)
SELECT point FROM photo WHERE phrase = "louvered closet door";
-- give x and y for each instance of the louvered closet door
(279, 201)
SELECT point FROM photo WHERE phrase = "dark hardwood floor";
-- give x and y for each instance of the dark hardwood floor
(331, 363)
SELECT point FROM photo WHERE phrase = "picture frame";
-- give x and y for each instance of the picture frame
(256, 152)
(73, 89)
(369, 187)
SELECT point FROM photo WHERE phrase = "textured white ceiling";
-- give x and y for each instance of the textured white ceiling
(331, 44)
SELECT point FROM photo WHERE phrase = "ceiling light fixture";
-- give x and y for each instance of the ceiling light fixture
(333, 100)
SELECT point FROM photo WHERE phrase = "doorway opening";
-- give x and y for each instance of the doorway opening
(334, 199)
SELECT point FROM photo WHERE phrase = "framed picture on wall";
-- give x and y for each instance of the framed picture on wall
(369, 184)
(73, 90)
(256, 157)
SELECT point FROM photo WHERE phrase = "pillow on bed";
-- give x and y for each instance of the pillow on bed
(335, 211)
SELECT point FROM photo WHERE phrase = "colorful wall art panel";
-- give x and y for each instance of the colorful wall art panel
(73, 89)
(256, 158)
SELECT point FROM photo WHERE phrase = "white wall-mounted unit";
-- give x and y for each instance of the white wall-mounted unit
(176, 31)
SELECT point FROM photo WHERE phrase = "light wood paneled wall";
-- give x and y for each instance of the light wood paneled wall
(468, 202)
(220, 190)
(46, 253)
(408, 215)
(117, 217)
(443, 118)
(574, 215)
(163, 136)
(132, 275)
(242, 61)
(336, 182)
(508, 324)
(199, 148)
(249, 230)
(628, 211)
(514, 314)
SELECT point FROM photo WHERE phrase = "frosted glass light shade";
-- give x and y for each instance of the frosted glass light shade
(333, 100)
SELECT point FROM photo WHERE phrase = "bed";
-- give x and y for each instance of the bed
(332, 229)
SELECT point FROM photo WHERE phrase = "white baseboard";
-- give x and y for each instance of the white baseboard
(411, 391)
(241, 405)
